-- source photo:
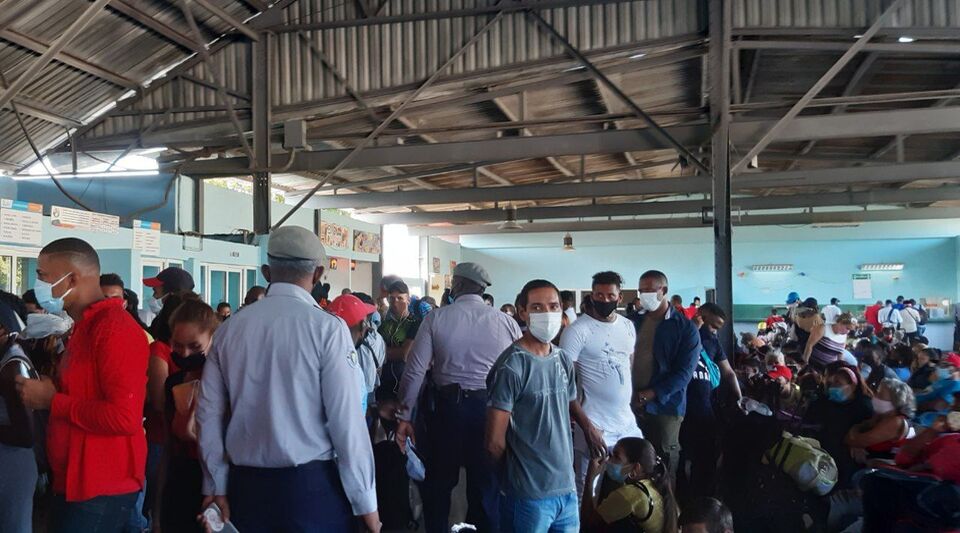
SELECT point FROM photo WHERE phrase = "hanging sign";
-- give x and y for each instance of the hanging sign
(146, 237)
(862, 287)
(65, 217)
(21, 222)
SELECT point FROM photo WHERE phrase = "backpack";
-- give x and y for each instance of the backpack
(26, 438)
(802, 458)
(712, 369)
(393, 486)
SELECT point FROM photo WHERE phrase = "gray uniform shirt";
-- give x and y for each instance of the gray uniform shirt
(279, 389)
(537, 391)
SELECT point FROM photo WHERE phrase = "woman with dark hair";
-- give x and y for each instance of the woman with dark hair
(160, 367)
(192, 325)
(924, 367)
(635, 492)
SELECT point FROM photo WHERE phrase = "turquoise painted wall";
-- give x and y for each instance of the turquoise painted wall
(822, 266)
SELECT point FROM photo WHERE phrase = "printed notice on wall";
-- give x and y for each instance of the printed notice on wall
(64, 217)
(862, 287)
(146, 237)
(21, 222)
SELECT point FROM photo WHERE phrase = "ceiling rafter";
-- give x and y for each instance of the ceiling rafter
(68, 59)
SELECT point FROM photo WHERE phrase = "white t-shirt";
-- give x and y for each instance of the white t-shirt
(602, 352)
(910, 317)
(571, 315)
(889, 316)
(830, 314)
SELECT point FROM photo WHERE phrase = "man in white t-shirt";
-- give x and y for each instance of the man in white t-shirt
(889, 316)
(910, 320)
(601, 344)
(832, 311)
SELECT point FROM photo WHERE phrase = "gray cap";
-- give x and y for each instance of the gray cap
(294, 242)
(473, 272)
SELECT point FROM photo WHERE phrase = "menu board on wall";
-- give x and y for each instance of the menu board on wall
(64, 217)
(334, 235)
(146, 237)
(366, 242)
(21, 222)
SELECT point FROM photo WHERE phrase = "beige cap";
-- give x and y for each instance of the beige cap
(295, 242)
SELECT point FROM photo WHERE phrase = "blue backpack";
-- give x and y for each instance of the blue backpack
(712, 369)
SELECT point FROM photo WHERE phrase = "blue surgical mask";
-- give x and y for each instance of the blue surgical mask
(836, 394)
(615, 472)
(942, 373)
(44, 293)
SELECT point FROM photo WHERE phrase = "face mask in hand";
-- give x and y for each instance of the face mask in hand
(44, 293)
(604, 309)
(882, 406)
(650, 301)
(545, 326)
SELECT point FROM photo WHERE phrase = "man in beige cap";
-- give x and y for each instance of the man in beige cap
(283, 443)
(459, 343)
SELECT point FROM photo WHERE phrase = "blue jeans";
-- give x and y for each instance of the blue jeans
(557, 514)
(103, 514)
(455, 440)
(308, 497)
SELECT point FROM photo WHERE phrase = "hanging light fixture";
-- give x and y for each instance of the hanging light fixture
(568, 243)
(510, 224)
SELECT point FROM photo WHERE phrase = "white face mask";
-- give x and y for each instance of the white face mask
(155, 305)
(650, 301)
(544, 326)
(882, 406)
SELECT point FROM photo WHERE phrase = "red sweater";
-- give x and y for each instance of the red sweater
(95, 438)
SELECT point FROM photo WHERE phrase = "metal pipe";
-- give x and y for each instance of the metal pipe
(393, 116)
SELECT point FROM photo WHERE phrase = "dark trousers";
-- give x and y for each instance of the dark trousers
(182, 496)
(103, 514)
(455, 436)
(699, 452)
(303, 498)
(663, 431)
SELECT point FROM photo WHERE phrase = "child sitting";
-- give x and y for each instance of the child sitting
(635, 493)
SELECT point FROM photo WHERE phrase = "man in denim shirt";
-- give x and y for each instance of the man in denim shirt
(668, 347)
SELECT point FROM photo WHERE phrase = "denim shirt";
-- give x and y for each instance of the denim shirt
(676, 349)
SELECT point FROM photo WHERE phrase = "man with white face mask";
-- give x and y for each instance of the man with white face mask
(168, 281)
(667, 351)
(531, 388)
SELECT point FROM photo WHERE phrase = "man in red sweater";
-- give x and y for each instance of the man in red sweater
(871, 314)
(95, 440)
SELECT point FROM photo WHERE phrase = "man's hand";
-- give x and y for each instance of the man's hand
(404, 430)
(595, 443)
(371, 522)
(221, 502)
(36, 394)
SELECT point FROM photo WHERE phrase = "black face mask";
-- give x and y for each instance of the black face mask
(604, 309)
(190, 362)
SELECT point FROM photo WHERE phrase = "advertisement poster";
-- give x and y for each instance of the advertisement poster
(366, 242)
(334, 235)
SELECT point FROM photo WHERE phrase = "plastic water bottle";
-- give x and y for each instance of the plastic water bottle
(750, 405)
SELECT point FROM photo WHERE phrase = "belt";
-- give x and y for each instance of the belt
(455, 392)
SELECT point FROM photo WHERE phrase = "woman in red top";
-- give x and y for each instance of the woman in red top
(95, 441)
(192, 326)
(893, 407)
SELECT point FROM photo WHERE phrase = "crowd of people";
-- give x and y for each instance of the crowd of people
(298, 412)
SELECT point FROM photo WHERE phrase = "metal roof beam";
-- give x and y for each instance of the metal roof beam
(837, 46)
(66, 58)
(152, 23)
(770, 135)
(831, 217)
(435, 15)
(675, 207)
(687, 185)
(227, 17)
(879, 123)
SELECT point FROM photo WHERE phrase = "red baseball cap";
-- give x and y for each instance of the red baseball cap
(172, 279)
(350, 308)
(952, 359)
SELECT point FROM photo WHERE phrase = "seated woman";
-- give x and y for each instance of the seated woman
(946, 383)
(924, 367)
(192, 326)
(893, 407)
(935, 449)
(777, 366)
(874, 367)
(900, 360)
(827, 342)
(635, 493)
(847, 403)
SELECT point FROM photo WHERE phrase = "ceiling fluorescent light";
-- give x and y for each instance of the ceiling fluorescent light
(771, 267)
(905, 39)
(881, 266)
(638, 56)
